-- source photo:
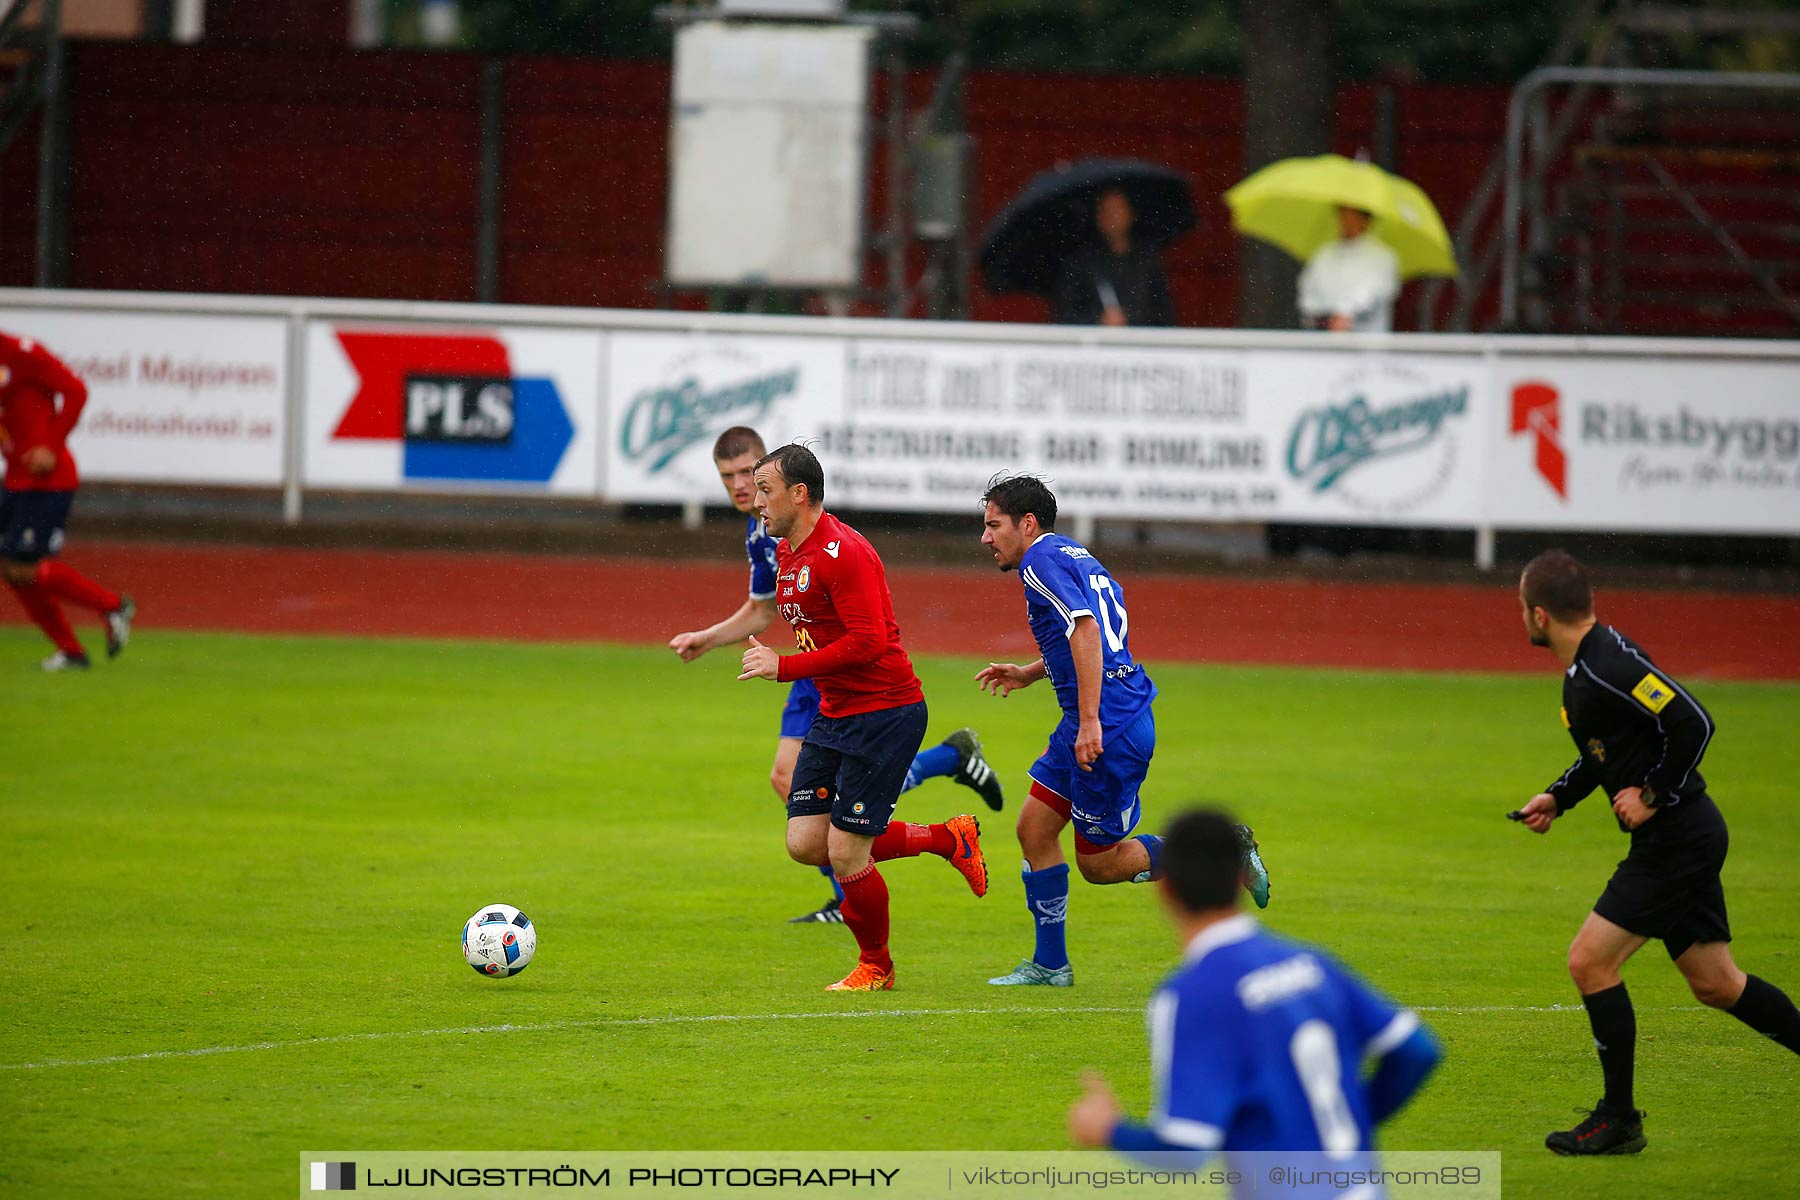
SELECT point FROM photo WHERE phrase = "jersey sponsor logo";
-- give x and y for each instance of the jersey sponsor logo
(1537, 410)
(1653, 693)
(1597, 748)
(831, 548)
(803, 580)
(455, 404)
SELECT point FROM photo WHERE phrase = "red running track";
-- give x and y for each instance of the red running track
(974, 612)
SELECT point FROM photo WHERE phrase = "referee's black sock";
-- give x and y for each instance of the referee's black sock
(1615, 1037)
(1767, 1009)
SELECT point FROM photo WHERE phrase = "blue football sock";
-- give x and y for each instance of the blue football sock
(1153, 845)
(941, 759)
(1047, 896)
(837, 889)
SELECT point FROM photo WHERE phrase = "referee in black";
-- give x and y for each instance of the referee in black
(1640, 736)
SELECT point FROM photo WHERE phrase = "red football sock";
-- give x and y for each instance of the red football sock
(47, 615)
(905, 840)
(865, 910)
(66, 583)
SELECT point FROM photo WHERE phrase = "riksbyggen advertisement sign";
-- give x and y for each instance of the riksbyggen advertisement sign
(1605, 443)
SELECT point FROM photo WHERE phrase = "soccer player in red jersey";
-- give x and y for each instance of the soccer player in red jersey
(40, 401)
(830, 586)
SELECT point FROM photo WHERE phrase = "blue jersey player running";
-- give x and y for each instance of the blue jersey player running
(1099, 753)
(735, 453)
(1257, 1044)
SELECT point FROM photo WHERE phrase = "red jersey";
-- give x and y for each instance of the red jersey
(834, 592)
(31, 379)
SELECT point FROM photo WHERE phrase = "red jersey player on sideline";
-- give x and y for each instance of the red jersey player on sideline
(830, 586)
(34, 503)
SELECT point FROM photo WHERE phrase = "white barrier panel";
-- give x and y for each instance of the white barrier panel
(171, 399)
(1647, 444)
(672, 394)
(506, 407)
(1449, 431)
(1183, 434)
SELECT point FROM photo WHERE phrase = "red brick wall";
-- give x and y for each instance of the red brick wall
(308, 171)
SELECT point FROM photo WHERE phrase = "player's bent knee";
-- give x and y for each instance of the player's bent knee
(1717, 988)
(1714, 993)
(1589, 975)
(1094, 868)
(806, 846)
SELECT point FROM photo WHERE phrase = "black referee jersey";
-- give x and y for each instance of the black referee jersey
(1634, 726)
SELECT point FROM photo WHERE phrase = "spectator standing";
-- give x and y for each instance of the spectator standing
(1117, 279)
(1349, 286)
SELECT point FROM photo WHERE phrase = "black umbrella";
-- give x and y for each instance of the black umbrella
(1024, 247)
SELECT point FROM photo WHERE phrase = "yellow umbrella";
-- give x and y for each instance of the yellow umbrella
(1293, 203)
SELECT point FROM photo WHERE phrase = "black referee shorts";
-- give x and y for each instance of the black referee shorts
(1668, 888)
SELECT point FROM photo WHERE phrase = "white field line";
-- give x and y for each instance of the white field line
(698, 1019)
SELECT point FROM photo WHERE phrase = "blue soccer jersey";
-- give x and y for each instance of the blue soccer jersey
(759, 548)
(1258, 1044)
(1063, 582)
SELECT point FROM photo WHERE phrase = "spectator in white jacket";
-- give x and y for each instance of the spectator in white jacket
(1349, 285)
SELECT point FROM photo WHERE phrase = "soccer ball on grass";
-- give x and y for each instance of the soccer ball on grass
(499, 941)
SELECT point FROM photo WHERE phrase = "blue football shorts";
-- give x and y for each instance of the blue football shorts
(1102, 802)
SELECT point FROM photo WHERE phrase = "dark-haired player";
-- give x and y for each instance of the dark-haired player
(40, 401)
(1257, 1043)
(1640, 736)
(831, 588)
(959, 756)
(1091, 772)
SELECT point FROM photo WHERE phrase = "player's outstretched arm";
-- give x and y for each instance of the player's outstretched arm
(749, 620)
(1003, 679)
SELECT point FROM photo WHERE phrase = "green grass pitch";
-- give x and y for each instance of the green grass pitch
(269, 845)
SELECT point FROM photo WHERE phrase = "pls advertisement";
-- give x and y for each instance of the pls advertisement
(506, 408)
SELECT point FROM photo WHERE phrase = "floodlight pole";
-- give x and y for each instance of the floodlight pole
(52, 269)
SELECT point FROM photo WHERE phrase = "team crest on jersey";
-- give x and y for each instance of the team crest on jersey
(803, 580)
(1597, 748)
(857, 808)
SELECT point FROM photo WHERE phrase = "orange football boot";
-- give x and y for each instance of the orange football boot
(866, 978)
(967, 857)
